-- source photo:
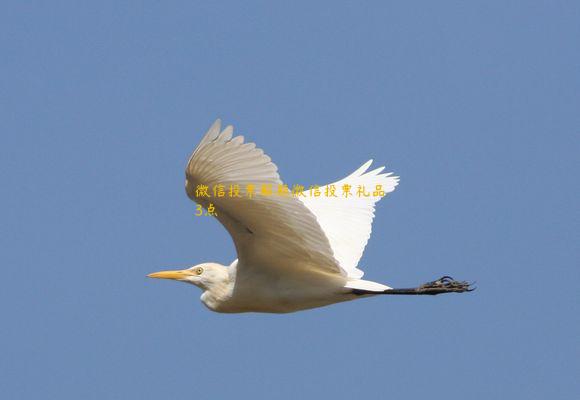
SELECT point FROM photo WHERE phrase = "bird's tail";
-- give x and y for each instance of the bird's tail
(366, 286)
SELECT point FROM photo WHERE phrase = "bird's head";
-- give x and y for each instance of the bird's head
(204, 276)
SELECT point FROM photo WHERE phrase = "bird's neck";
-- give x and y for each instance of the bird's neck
(219, 291)
(216, 296)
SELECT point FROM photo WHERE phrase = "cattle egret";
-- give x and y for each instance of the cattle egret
(296, 251)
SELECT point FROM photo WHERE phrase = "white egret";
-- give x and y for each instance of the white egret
(295, 251)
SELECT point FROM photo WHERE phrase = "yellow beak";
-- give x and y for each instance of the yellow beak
(176, 275)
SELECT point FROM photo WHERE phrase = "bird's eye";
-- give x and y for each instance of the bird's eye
(199, 270)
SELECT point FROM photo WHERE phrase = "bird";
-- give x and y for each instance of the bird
(294, 251)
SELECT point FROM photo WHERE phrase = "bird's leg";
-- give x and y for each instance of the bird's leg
(445, 284)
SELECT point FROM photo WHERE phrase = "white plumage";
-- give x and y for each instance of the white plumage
(346, 222)
(294, 251)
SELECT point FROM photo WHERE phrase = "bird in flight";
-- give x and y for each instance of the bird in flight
(295, 251)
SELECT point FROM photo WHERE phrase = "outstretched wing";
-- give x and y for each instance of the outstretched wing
(267, 229)
(347, 221)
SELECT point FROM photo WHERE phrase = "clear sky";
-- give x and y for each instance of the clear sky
(475, 105)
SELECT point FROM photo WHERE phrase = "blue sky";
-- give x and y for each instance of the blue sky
(474, 104)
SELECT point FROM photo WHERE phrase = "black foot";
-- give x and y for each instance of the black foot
(446, 284)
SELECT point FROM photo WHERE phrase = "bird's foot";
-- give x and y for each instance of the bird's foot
(446, 284)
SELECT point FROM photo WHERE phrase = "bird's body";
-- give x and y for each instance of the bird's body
(295, 251)
(273, 290)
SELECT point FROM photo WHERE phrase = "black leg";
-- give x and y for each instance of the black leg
(445, 284)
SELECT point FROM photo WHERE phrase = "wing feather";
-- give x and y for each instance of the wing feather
(347, 221)
(266, 229)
